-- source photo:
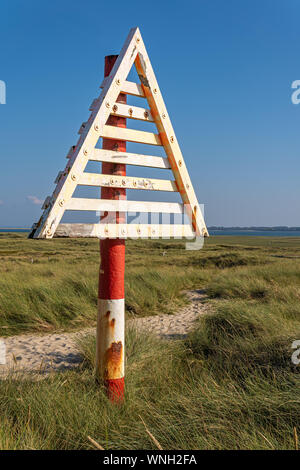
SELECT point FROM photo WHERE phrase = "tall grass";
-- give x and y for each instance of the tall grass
(229, 385)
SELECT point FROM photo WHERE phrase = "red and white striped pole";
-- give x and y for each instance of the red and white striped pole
(111, 303)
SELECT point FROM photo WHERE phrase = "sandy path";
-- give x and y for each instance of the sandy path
(45, 353)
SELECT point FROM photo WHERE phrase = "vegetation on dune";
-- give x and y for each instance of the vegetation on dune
(230, 384)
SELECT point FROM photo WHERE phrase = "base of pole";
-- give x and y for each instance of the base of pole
(115, 389)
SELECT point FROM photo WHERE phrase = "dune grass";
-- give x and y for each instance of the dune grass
(229, 385)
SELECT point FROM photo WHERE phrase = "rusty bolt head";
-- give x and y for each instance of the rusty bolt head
(107, 104)
(146, 114)
(115, 108)
(138, 230)
(134, 183)
(146, 183)
(130, 111)
(106, 230)
(85, 152)
(49, 231)
(171, 139)
(124, 182)
(118, 81)
(163, 116)
(112, 181)
(137, 39)
(73, 177)
(155, 90)
(96, 127)
(179, 162)
(61, 202)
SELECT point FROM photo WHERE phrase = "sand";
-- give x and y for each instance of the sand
(54, 352)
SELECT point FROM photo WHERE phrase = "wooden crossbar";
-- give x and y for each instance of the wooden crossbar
(106, 205)
(125, 230)
(130, 88)
(131, 135)
(100, 155)
(132, 112)
(128, 182)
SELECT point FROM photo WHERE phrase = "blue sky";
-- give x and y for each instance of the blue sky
(225, 69)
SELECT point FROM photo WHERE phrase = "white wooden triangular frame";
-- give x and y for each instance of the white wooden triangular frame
(133, 52)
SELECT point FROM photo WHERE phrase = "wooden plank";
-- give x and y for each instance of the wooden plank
(128, 182)
(131, 135)
(100, 155)
(125, 230)
(132, 112)
(129, 88)
(106, 205)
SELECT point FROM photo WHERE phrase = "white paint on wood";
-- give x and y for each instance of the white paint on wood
(100, 155)
(128, 182)
(125, 231)
(130, 135)
(132, 112)
(129, 88)
(107, 205)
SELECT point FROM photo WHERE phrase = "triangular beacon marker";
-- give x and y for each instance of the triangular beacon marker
(132, 53)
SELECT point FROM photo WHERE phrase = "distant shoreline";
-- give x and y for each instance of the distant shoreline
(212, 228)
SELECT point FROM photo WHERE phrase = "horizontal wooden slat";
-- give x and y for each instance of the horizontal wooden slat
(130, 88)
(128, 182)
(131, 135)
(84, 204)
(125, 231)
(100, 155)
(132, 112)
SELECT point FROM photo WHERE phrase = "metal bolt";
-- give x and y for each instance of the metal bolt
(146, 114)
(61, 202)
(73, 177)
(138, 230)
(96, 127)
(171, 139)
(123, 231)
(134, 183)
(179, 162)
(85, 152)
(187, 186)
(118, 81)
(115, 108)
(137, 39)
(130, 111)
(163, 116)
(155, 90)
(107, 104)
(49, 231)
(124, 182)
(112, 181)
